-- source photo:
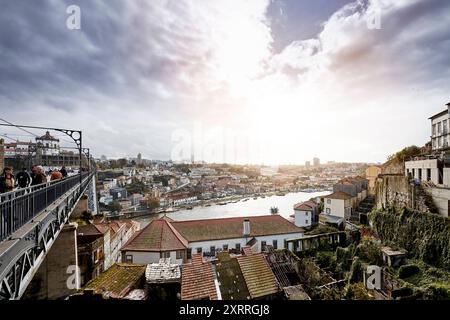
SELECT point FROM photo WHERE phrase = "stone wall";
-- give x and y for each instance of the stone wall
(393, 190)
(397, 191)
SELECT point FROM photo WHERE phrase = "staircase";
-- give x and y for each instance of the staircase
(364, 207)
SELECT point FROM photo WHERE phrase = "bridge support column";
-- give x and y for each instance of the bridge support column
(92, 196)
(58, 275)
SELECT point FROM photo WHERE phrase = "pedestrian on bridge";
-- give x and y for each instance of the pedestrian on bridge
(7, 182)
(39, 176)
(63, 172)
(56, 175)
(23, 178)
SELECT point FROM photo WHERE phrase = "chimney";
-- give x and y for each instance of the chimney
(246, 227)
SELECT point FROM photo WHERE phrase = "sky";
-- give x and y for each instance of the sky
(260, 81)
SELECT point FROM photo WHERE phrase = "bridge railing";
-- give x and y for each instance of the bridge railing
(19, 207)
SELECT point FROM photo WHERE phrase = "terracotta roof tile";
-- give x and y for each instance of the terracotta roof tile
(339, 195)
(305, 206)
(158, 236)
(197, 280)
(229, 228)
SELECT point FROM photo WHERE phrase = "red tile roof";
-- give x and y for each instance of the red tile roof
(197, 280)
(339, 195)
(305, 206)
(231, 228)
(157, 236)
(258, 275)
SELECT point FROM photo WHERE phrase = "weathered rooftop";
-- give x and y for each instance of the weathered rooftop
(197, 281)
(232, 282)
(117, 281)
(163, 272)
(258, 276)
(296, 293)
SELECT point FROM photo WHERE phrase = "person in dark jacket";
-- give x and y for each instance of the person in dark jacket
(63, 172)
(23, 178)
(7, 182)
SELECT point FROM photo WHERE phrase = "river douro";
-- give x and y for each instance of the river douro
(251, 207)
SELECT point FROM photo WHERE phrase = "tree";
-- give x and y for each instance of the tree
(152, 203)
(114, 206)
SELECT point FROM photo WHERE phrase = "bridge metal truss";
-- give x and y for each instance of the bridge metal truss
(23, 251)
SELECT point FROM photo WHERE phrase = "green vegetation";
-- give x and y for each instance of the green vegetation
(407, 271)
(152, 203)
(114, 206)
(321, 229)
(357, 291)
(404, 154)
(425, 236)
(136, 186)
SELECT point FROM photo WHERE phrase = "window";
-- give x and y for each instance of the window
(199, 250)
(189, 253)
(164, 254)
(434, 130)
(428, 174)
(328, 210)
(440, 142)
(129, 258)
(444, 125)
(179, 254)
(275, 244)
(306, 221)
(263, 245)
(238, 246)
(212, 249)
(306, 213)
(225, 247)
(328, 201)
(439, 128)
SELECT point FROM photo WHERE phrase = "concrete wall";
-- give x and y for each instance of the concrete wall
(149, 257)
(303, 218)
(53, 276)
(441, 199)
(338, 207)
(423, 165)
(206, 245)
(372, 173)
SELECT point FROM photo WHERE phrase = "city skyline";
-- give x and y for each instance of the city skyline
(275, 82)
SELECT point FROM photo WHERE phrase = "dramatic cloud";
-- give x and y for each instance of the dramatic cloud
(233, 77)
